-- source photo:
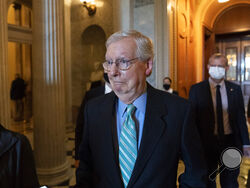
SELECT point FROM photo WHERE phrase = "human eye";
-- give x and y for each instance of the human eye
(123, 63)
(109, 62)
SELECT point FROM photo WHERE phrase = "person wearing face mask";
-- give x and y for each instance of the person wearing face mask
(91, 94)
(220, 117)
(167, 86)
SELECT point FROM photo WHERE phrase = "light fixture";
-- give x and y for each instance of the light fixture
(90, 6)
(222, 1)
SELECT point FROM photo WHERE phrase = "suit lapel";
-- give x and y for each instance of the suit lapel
(230, 93)
(152, 131)
(109, 140)
(210, 100)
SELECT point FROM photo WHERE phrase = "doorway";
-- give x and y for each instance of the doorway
(236, 47)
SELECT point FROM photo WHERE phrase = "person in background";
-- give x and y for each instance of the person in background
(135, 135)
(17, 93)
(167, 85)
(91, 94)
(17, 166)
(220, 117)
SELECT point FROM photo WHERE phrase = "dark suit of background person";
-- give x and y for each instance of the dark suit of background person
(248, 111)
(17, 167)
(17, 93)
(91, 94)
(168, 129)
(201, 97)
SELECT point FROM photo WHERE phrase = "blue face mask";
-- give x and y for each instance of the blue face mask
(217, 72)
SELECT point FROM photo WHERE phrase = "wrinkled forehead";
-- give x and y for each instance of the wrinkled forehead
(124, 48)
(220, 61)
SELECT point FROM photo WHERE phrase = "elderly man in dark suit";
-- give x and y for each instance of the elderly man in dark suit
(135, 135)
(220, 117)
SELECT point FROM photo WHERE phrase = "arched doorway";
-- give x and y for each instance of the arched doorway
(205, 15)
(232, 37)
(87, 61)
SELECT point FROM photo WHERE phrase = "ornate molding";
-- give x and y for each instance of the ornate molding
(19, 34)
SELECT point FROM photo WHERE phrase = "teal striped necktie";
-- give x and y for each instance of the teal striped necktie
(128, 146)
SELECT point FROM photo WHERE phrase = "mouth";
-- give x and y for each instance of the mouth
(117, 82)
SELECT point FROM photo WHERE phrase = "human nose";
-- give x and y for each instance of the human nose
(114, 69)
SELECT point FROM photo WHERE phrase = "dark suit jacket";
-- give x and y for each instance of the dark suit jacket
(175, 92)
(17, 90)
(168, 132)
(17, 166)
(92, 93)
(200, 96)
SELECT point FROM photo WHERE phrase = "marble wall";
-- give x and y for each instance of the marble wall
(88, 36)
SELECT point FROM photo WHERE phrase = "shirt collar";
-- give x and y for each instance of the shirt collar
(107, 88)
(170, 90)
(139, 103)
(213, 84)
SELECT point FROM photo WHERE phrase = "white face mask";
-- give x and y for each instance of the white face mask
(217, 72)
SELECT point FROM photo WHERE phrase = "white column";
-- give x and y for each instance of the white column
(4, 81)
(67, 47)
(49, 92)
(162, 56)
(123, 14)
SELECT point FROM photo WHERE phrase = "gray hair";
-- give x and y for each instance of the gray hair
(218, 56)
(145, 49)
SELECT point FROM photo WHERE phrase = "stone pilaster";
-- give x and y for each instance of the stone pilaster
(4, 79)
(49, 92)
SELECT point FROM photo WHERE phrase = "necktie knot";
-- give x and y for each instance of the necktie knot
(130, 109)
(218, 86)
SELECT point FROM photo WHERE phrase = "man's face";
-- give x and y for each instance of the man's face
(131, 83)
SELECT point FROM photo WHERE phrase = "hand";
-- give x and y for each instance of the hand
(77, 162)
(246, 151)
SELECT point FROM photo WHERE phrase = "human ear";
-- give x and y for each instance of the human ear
(149, 66)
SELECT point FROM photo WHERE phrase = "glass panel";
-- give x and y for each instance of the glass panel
(231, 54)
(247, 62)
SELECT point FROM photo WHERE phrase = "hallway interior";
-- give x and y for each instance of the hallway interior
(58, 49)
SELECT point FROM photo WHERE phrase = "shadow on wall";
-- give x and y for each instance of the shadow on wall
(93, 41)
(93, 51)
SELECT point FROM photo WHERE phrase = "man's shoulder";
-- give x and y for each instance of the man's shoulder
(102, 99)
(10, 139)
(204, 83)
(232, 85)
(163, 97)
(95, 92)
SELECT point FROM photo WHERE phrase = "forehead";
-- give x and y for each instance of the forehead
(167, 80)
(218, 61)
(122, 48)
